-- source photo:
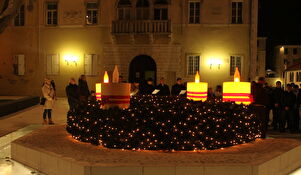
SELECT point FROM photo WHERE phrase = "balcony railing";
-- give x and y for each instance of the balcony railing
(141, 26)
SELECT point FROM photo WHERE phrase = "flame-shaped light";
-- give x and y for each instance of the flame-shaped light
(106, 77)
(115, 75)
(197, 77)
(236, 75)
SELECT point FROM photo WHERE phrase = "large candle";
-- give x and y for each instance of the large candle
(98, 91)
(115, 94)
(197, 90)
(98, 86)
(238, 92)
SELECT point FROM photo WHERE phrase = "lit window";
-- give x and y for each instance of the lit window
(235, 61)
(194, 12)
(237, 12)
(91, 62)
(20, 17)
(51, 13)
(142, 10)
(124, 10)
(19, 64)
(193, 64)
(92, 13)
(52, 64)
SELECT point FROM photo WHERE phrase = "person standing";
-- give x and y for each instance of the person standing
(54, 87)
(288, 101)
(261, 102)
(276, 100)
(218, 92)
(147, 88)
(72, 92)
(164, 89)
(178, 87)
(84, 91)
(49, 94)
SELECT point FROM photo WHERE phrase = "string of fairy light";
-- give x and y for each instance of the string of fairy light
(165, 123)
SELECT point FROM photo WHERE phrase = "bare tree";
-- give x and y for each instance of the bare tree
(8, 9)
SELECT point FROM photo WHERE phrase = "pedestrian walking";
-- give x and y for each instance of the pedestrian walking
(49, 95)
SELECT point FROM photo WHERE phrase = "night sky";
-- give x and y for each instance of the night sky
(280, 21)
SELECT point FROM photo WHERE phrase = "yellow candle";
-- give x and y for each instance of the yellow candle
(197, 90)
(238, 92)
(98, 91)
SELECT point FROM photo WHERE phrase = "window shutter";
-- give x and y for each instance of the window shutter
(21, 64)
(88, 64)
(94, 64)
(55, 64)
(49, 64)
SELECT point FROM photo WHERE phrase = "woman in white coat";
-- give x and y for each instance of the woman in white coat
(49, 95)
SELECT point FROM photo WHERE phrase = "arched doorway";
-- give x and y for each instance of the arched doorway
(142, 67)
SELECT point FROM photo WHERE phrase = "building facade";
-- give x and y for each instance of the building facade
(261, 57)
(285, 57)
(60, 39)
(293, 73)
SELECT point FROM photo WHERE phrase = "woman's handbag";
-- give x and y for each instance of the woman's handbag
(42, 101)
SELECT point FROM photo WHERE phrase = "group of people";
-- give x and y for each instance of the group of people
(77, 94)
(283, 102)
(148, 88)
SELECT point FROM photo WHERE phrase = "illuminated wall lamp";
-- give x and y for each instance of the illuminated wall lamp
(215, 62)
(71, 59)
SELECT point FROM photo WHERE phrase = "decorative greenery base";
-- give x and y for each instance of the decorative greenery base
(165, 123)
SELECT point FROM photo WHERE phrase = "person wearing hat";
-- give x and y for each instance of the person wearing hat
(49, 95)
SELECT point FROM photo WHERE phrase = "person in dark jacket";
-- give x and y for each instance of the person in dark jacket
(178, 87)
(84, 91)
(276, 100)
(261, 102)
(288, 101)
(146, 88)
(164, 89)
(72, 93)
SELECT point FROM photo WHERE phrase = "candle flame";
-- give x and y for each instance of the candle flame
(236, 75)
(197, 77)
(106, 77)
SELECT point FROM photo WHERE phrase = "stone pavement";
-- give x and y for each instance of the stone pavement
(31, 116)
